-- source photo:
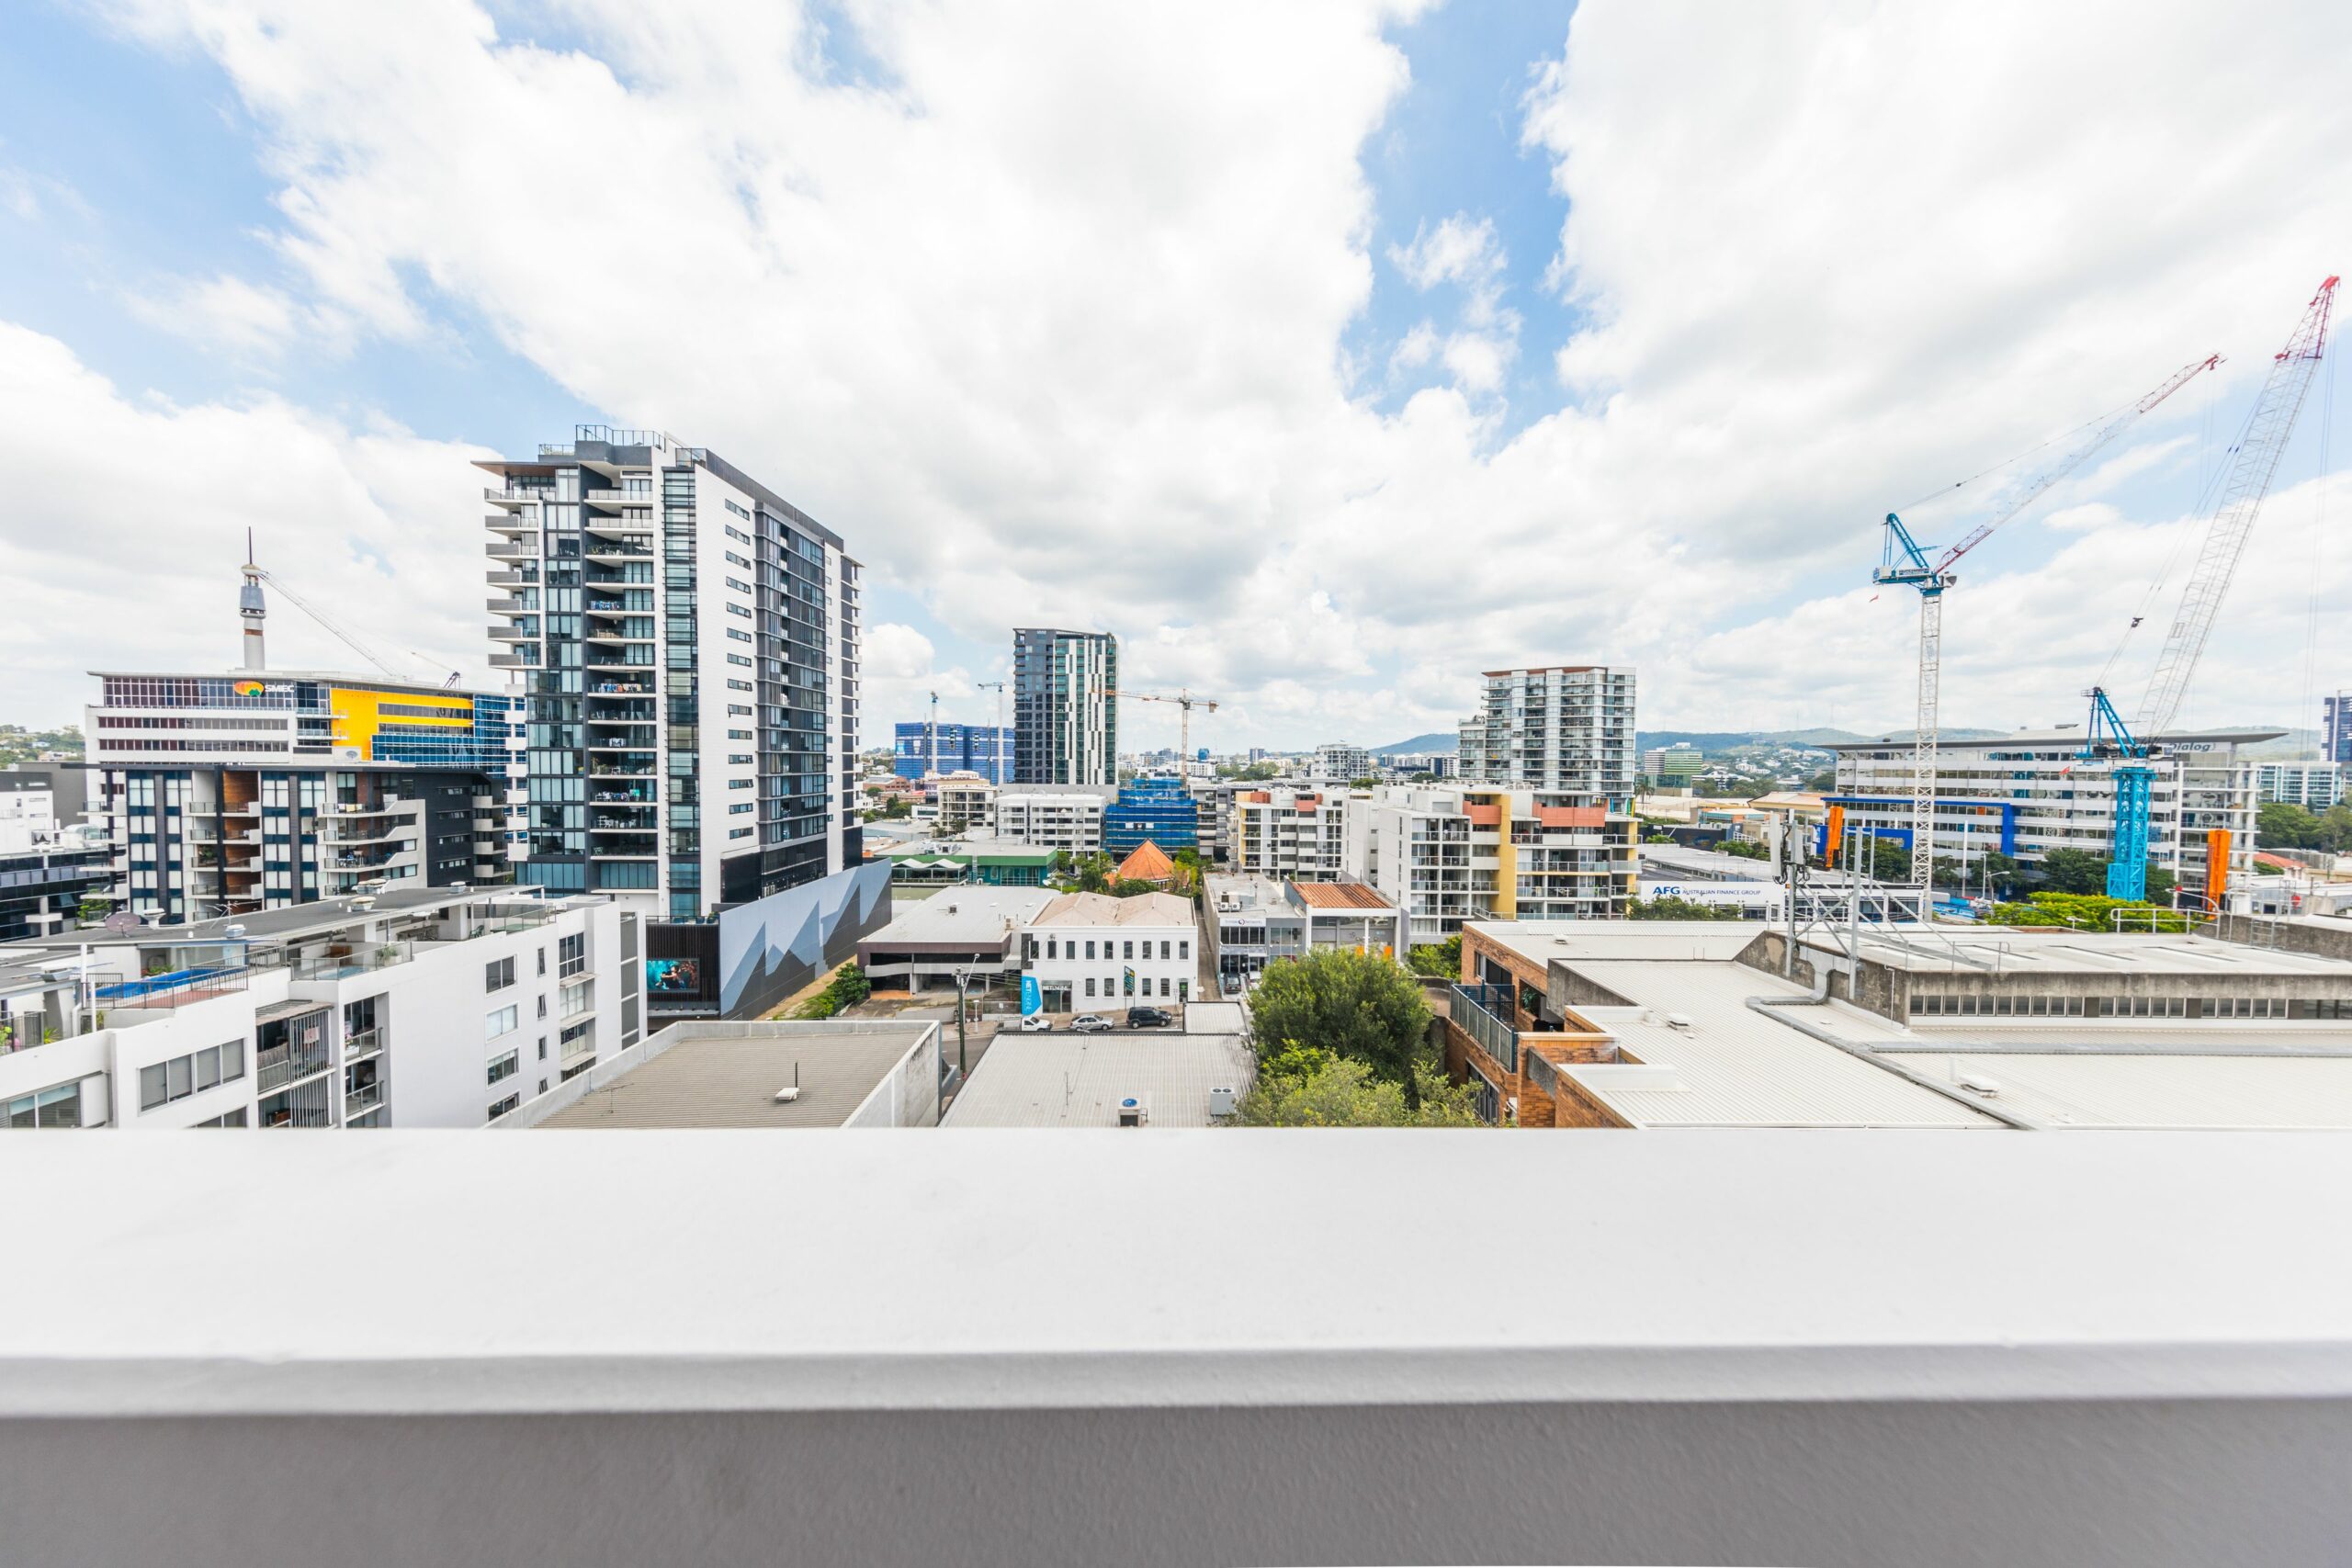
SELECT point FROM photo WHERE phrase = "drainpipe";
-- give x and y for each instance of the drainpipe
(1775, 1009)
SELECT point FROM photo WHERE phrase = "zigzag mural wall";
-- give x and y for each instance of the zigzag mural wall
(771, 948)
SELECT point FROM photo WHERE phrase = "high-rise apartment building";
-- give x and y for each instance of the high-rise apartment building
(1065, 721)
(1294, 833)
(2314, 786)
(260, 788)
(687, 641)
(1446, 855)
(1565, 728)
(1337, 761)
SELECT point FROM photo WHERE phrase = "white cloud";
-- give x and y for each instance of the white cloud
(227, 314)
(1046, 320)
(140, 512)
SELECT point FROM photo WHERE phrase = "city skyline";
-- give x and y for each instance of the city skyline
(1456, 325)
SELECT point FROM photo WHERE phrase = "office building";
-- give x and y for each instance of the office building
(919, 750)
(1250, 921)
(1672, 767)
(2314, 786)
(1092, 952)
(1065, 720)
(1158, 810)
(2336, 727)
(224, 794)
(2027, 794)
(1052, 818)
(1567, 728)
(1664, 1025)
(969, 930)
(1448, 854)
(421, 1006)
(1338, 762)
(687, 641)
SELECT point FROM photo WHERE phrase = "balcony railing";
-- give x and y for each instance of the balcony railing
(274, 1069)
(360, 1102)
(359, 1047)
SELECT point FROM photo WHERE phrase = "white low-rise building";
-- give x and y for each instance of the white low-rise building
(1091, 952)
(419, 1007)
(1060, 817)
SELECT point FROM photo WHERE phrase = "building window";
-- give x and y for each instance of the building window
(505, 1066)
(1089, 985)
(1089, 953)
(503, 1106)
(1184, 948)
(574, 955)
(183, 1076)
(543, 1047)
(498, 974)
(504, 1022)
(57, 1106)
(1130, 952)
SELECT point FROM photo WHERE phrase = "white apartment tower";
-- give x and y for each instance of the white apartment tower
(1565, 728)
(687, 641)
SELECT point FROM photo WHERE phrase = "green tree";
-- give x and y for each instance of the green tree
(1370, 780)
(1339, 1093)
(1744, 849)
(1441, 960)
(1356, 1006)
(2284, 825)
(1822, 783)
(1679, 909)
(2074, 871)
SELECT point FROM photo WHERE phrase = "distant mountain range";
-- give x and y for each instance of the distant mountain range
(1445, 744)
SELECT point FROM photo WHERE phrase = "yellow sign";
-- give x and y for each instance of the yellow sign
(359, 714)
(250, 688)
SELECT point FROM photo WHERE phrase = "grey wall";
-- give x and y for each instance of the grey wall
(2134, 1484)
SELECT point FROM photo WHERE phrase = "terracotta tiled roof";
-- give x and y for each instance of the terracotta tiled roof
(1148, 863)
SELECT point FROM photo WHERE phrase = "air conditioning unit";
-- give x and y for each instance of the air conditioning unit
(1221, 1101)
(1134, 1112)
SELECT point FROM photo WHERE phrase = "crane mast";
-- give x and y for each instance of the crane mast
(1905, 560)
(2254, 463)
(2252, 468)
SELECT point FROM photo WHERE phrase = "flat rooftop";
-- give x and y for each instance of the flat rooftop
(2010, 951)
(726, 1076)
(1540, 942)
(300, 920)
(1066, 1079)
(2043, 739)
(964, 914)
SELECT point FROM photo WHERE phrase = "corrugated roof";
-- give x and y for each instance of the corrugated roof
(2125, 1090)
(1101, 909)
(1076, 1081)
(964, 914)
(1340, 896)
(2005, 949)
(1742, 1069)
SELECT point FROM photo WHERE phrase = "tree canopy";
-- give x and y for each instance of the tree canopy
(1356, 1006)
(2281, 825)
(1679, 909)
(1314, 1089)
(1441, 960)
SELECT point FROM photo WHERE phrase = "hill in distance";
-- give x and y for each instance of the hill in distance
(1432, 741)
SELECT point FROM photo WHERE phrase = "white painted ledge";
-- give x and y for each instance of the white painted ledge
(547, 1272)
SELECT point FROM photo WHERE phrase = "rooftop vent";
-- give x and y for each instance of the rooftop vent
(1978, 1083)
(1677, 1021)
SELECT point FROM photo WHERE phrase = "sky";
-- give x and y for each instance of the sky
(1328, 353)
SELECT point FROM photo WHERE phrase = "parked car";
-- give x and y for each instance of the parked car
(1035, 1023)
(1089, 1023)
(1150, 1017)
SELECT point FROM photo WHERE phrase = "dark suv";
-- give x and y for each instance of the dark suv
(1150, 1017)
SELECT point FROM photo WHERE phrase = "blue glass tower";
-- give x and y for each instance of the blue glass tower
(1159, 810)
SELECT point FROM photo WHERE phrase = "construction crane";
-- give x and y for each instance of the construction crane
(996, 758)
(2254, 462)
(934, 735)
(1903, 560)
(2105, 739)
(1183, 700)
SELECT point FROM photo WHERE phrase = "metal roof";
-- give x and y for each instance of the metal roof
(1100, 909)
(2008, 951)
(1540, 942)
(1063, 1079)
(712, 1079)
(2123, 1090)
(1736, 1067)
